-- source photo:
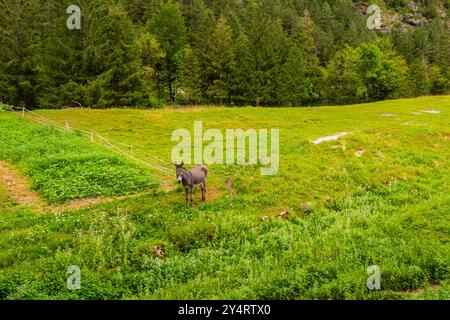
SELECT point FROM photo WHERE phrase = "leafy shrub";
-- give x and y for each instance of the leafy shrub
(188, 236)
(5, 107)
(403, 278)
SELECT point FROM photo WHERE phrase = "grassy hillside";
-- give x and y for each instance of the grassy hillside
(379, 196)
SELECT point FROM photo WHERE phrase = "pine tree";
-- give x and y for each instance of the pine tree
(305, 39)
(190, 85)
(293, 88)
(440, 45)
(168, 27)
(150, 53)
(421, 43)
(241, 84)
(404, 44)
(323, 34)
(418, 77)
(220, 59)
(267, 51)
(121, 79)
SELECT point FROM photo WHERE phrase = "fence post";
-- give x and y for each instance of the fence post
(67, 126)
(92, 136)
(23, 112)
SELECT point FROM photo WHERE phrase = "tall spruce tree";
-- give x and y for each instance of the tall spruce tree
(168, 27)
(220, 60)
(311, 60)
(190, 84)
(293, 85)
(240, 86)
(267, 46)
(121, 79)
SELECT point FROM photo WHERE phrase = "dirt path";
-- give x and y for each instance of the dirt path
(17, 186)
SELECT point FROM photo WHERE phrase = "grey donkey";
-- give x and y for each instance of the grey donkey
(192, 178)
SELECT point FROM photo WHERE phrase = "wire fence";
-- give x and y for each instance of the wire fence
(128, 150)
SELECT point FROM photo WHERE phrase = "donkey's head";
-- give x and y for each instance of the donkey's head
(180, 170)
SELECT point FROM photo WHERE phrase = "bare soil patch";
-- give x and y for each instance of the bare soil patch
(17, 186)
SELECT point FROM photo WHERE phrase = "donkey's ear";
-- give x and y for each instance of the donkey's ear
(182, 163)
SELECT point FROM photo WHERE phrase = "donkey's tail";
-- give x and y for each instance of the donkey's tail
(204, 169)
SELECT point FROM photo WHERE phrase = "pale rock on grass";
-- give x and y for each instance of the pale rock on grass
(330, 138)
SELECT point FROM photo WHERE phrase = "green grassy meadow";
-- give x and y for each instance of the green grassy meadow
(378, 196)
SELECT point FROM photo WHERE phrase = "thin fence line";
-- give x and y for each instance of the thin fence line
(123, 152)
(154, 162)
(154, 165)
(62, 126)
(143, 152)
(47, 121)
(40, 117)
(161, 169)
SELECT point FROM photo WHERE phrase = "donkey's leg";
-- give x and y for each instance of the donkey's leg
(204, 183)
(187, 197)
(204, 191)
(192, 194)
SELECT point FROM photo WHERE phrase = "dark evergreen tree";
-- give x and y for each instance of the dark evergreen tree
(121, 79)
(168, 27)
(293, 84)
(220, 60)
(190, 84)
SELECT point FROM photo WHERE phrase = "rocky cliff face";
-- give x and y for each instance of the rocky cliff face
(410, 17)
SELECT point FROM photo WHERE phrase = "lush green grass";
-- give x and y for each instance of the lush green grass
(3, 194)
(390, 207)
(63, 166)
